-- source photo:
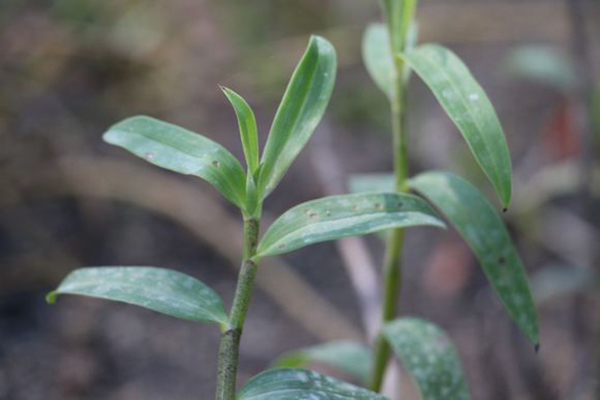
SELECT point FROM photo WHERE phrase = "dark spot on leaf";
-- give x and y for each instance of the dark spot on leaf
(216, 164)
(502, 260)
(504, 209)
(378, 206)
(313, 215)
(400, 204)
(355, 207)
(281, 246)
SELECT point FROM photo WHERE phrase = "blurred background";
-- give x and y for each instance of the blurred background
(71, 68)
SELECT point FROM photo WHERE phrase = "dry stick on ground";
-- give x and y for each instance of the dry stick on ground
(357, 259)
(209, 221)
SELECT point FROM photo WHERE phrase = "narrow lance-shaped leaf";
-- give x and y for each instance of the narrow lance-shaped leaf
(429, 356)
(180, 150)
(336, 217)
(468, 106)
(399, 15)
(482, 228)
(247, 127)
(350, 357)
(293, 383)
(300, 110)
(162, 290)
(378, 59)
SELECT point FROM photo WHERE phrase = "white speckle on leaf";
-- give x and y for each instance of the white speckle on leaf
(473, 96)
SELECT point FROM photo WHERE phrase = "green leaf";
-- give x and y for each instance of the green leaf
(177, 149)
(378, 182)
(378, 59)
(427, 353)
(554, 282)
(300, 384)
(350, 357)
(543, 64)
(162, 290)
(299, 113)
(399, 15)
(482, 228)
(247, 127)
(336, 217)
(467, 105)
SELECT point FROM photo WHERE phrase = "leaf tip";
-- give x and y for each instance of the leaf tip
(505, 199)
(224, 89)
(227, 92)
(51, 297)
(323, 45)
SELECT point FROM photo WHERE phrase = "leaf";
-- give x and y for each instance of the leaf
(542, 64)
(350, 357)
(554, 282)
(177, 149)
(427, 353)
(299, 113)
(482, 228)
(300, 384)
(336, 217)
(399, 16)
(468, 106)
(162, 290)
(378, 59)
(247, 127)
(377, 182)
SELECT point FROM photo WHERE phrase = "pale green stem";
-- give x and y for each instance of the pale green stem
(392, 271)
(230, 339)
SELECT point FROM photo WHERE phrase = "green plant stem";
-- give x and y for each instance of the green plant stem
(392, 271)
(230, 339)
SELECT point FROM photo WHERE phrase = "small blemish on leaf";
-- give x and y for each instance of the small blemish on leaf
(150, 155)
(378, 206)
(328, 213)
(502, 260)
(281, 246)
(355, 207)
(216, 164)
(313, 215)
(400, 204)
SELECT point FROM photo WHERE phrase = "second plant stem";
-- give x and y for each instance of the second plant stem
(230, 338)
(392, 271)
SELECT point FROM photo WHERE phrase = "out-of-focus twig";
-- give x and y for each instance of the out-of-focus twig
(357, 260)
(583, 102)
